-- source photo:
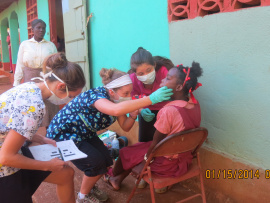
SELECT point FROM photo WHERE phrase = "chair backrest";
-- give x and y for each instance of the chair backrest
(190, 140)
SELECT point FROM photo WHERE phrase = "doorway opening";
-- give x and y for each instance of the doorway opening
(57, 24)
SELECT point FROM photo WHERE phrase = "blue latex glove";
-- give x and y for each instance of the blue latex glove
(161, 94)
(147, 115)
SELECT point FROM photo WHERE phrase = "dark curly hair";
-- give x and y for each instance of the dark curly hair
(195, 72)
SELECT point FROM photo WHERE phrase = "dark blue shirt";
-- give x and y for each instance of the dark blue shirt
(79, 120)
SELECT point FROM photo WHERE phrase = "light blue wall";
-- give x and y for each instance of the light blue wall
(22, 18)
(20, 9)
(43, 14)
(118, 28)
(234, 51)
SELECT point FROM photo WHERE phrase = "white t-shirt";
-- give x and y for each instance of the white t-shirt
(21, 109)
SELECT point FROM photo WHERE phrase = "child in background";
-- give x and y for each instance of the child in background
(146, 75)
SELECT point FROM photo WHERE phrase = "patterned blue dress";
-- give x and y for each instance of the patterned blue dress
(79, 120)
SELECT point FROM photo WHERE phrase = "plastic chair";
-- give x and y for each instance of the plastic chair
(190, 140)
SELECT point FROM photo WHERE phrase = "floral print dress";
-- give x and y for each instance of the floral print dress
(22, 110)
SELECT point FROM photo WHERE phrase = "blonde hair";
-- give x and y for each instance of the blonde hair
(109, 75)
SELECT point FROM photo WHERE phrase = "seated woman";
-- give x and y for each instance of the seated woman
(183, 113)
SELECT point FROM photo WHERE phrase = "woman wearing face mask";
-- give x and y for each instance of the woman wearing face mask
(146, 75)
(31, 55)
(94, 110)
(22, 110)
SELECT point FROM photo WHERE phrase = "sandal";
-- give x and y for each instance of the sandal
(106, 179)
(142, 184)
(161, 190)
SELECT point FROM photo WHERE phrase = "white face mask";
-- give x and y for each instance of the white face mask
(55, 99)
(121, 99)
(148, 79)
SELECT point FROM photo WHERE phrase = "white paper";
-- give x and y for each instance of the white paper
(65, 150)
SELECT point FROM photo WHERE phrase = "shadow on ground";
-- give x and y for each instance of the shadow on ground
(47, 193)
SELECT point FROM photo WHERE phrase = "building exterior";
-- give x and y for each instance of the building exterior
(230, 39)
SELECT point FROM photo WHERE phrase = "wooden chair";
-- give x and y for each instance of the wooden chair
(190, 140)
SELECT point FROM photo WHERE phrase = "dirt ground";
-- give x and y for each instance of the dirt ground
(46, 192)
(5, 84)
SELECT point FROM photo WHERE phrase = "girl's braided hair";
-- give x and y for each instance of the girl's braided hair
(192, 79)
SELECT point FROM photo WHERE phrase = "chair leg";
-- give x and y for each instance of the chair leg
(134, 189)
(202, 189)
(151, 185)
(201, 179)
(132, 194)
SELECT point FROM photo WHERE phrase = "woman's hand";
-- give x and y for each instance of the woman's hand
(134, 114)
(9, 155)
(41, 139)
(56, 164)
(49, 141)
(147, 115)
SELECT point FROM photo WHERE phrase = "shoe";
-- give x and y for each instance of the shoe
(161, 190)
(99, 194)
(11, 71)
(142, 184)
(90, 198)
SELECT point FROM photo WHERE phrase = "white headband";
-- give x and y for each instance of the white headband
(119, 82)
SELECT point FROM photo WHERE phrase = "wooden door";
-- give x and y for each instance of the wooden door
(76, 38)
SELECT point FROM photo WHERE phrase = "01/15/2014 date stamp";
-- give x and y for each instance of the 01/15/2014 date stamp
(236, 174)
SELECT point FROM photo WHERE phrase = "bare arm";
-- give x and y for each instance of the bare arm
(125, 122)
(122, 108)
(9, 155)
(158, 136)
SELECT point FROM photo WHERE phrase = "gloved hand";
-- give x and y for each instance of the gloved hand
(147, 115)
(161, 94)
